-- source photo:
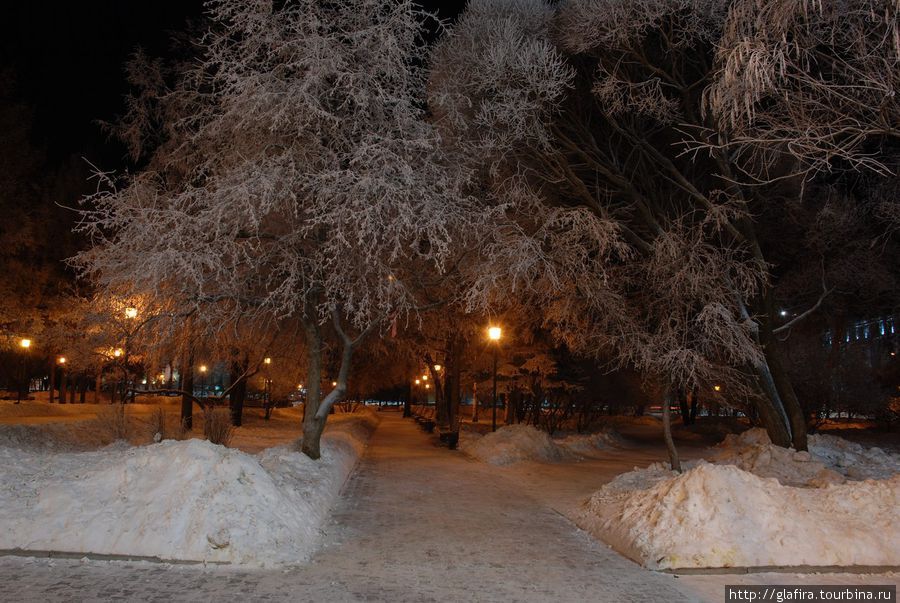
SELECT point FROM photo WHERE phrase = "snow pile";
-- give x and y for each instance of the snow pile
(587, 444)
(757, 505)
(513, 444)
(722, 516)
(830, 459)
(853, 460)
(184, 500)
(753, 451)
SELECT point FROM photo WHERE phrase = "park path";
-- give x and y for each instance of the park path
(416, 523)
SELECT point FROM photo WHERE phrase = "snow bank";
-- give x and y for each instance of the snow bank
(513, 444)
(853, 460)
(181, 500)
(722, 516)
(587, 444)
(830, 459)
(757, 505)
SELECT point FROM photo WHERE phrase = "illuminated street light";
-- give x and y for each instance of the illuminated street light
(427, 386)
(494, 335)
(717, 388)
(24, 344)
(267, 360)
(131, 312)
(61, 360)
(162, 376)
(334, 384)
(784, 313)
(117, 352)
(424, 377)
(418, 382)
(202, 368)
(438, 367)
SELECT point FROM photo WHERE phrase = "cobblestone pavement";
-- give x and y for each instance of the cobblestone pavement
(416, 523)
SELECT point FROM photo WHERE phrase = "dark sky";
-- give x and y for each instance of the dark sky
(67, 60)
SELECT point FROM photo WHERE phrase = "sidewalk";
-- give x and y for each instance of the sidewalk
(416, 523)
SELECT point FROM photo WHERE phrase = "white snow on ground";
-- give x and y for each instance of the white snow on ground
(587, 444)
(517, 443)
(512, 444)
(758, 505)
(184, 500)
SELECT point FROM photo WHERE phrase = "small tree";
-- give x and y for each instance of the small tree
(295, 178)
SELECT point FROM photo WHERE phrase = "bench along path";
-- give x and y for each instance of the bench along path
(416, 523)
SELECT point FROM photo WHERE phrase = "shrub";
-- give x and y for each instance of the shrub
(217, 427)
(112, 423)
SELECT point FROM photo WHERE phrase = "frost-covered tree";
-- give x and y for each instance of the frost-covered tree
(295, 177)
(615, 135)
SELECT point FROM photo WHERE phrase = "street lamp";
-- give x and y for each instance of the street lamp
(717, 388)
(131, 312)
(494, 335)
(437, 367)
(424, 377)
(24, 344)
(203, 380)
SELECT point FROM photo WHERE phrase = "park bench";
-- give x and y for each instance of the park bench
(424, 416)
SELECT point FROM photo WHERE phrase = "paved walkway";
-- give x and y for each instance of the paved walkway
(416, 523)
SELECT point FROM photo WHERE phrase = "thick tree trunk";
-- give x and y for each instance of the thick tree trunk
(238, 390)
(780, 379)
(62, 385)
(52, 380)
(667, 433)
(312, 425)
(98, 385)
(82, 388)
(187, 397)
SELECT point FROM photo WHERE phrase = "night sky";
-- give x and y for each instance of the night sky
(67, 62)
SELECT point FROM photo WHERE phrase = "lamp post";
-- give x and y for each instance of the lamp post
(61, 362)
(268, 389)
(24, 344)
(203, 381)
(494, 335)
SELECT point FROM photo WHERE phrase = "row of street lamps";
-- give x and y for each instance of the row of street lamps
(494, 334)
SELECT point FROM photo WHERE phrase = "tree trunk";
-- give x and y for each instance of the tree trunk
(780, 379)
(98, 385)
(475, 402)
(73, 385)
(187, 396)
(52, 380)
(82, 388)
(684, 407)
(62, 385)
(667, 433)
(312, 425)
(238, 390)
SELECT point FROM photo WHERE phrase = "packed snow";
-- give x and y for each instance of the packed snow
(517, 443)
(757, 504)
(177, 500)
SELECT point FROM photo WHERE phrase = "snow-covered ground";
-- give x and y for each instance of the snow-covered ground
(756, 504)
(518, 443)
(184, 500)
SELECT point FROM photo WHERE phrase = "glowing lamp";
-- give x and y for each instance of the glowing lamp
(25, 343)
(494, 333)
